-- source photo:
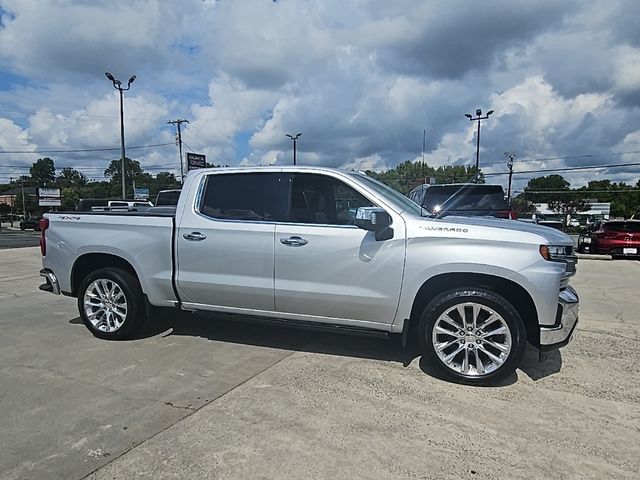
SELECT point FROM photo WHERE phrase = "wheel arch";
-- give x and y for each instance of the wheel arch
(511, 291)
(90, 262)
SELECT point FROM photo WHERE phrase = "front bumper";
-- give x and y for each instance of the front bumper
(52, 284)
(559, 335)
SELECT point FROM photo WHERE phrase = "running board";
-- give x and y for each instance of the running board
(302, 325)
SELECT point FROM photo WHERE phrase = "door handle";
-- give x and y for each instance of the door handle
(294, 241)
(194, 236)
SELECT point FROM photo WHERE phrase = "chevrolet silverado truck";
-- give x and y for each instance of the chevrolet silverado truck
(324, 248)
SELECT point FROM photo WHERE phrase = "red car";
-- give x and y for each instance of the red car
(617, 238)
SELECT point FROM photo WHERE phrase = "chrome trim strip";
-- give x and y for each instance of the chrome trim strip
(190, 306)
(52, 280)
(569, 301)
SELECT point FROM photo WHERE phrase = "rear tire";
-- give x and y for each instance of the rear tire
(472, 336)
(110, 303)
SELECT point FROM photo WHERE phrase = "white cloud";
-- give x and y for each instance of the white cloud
(360, 80)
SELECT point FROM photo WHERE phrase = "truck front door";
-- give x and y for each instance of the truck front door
(328, 268)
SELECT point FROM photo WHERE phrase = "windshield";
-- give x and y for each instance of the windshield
(462, 198)
(389, 193)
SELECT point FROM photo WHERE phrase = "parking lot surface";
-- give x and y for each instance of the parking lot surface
(14, 238)
(212, 398)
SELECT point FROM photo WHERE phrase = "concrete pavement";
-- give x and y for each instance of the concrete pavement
(15, 238)
(205, 398)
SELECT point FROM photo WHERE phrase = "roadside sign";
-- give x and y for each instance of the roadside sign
(195, 161)
(49, 192)
(140, 193)
(49, 197)
(49, 202)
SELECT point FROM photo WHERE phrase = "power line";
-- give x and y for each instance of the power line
(79, 150)
(58, 167)
(567, 157)
(567, 169)
(584, 191)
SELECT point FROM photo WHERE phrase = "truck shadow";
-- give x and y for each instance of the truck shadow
(246, 331)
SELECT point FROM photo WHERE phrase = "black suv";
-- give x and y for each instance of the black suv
(30, 224)
(464, 199)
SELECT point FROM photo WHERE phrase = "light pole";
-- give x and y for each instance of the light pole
(117, 84)
(510, 157)
(295, 140)
(478, 118)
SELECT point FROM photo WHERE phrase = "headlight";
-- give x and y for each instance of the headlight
(555, 253)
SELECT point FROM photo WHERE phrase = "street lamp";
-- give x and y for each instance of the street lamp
(295, 140)
(117, 84)
(478, 118)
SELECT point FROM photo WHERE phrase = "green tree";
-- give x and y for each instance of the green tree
(70, 177)
(114, 173)
(407, 175)
(624, 199)
(568, 206)
(164, 181)
(43, 172)
(553, 183)
(522, 206)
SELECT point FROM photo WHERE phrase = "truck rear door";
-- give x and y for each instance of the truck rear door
(225, 241)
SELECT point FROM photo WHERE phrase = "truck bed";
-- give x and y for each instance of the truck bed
(143, 238)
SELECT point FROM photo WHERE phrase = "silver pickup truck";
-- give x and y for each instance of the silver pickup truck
(323, 248)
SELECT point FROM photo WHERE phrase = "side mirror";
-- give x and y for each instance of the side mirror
(376, 220)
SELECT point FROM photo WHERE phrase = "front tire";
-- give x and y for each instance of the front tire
(110, 303)
(472, 336)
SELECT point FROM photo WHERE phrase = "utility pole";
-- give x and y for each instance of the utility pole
(11, 221)
(510, 158)
(24, 210)
(478, 118)
(295, 140)
(178, 123)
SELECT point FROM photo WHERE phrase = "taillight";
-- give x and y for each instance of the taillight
(510, 214)
(43, 224)
(612, 234)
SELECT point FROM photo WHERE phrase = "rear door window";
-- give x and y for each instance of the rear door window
(259, 197)
(631, 227)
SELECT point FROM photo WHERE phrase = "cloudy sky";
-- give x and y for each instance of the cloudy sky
(360, 79)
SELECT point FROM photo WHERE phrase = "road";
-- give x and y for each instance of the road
(10, 238)
(213, 398)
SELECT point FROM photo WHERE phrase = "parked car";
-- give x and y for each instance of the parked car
(167, 198)
(543, 220)
(100, 204)
(30, 224)
(617, 238)
(281, 244)
(465, 199)
(86, 204)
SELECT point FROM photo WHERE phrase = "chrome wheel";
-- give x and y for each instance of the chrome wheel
(471, 339)
(105, 305)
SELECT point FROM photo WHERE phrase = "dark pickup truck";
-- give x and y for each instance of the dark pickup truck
(463, 199)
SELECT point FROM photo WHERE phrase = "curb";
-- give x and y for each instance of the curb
(593, 256)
